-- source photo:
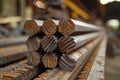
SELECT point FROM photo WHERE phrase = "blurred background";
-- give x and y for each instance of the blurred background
(105, 13)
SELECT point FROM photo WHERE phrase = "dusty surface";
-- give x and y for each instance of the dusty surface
(112, 69)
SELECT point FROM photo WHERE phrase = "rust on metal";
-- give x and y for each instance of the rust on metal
(69, 44)
(12, 66)
(33, 43)
(34, 58)
(21, 72)
(12, 53)
(31, 27)
(49, 27)
(66, 27)
(69, 62)
(50, 60)
(49, 43)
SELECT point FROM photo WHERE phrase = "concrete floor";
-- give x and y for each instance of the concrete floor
(112, 68)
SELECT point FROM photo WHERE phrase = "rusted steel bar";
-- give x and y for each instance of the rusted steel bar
(32, 27)
(69, 62)
(97, 70)
(71, 26)
(34, 58)
(49, 27)
(66, 27)
(33, 43)
(69, 44)
(43, 75)
(50, 60)
(49, 74)
(22, 72)
(82, 55)
(12, 53)
(83, 74)
(12, 66)
(49, 43)
(8, 41)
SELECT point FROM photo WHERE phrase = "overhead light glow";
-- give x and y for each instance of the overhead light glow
(103, 2)
(113, 23)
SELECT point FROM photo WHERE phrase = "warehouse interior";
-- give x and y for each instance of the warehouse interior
(70, 29)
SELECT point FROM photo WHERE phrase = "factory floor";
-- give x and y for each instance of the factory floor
(112, 68)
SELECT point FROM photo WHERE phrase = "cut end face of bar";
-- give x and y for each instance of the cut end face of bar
(30, 27)
(50, 60)
(67, 63)
(49, 43)
(34, 58)
(33, 43)
(66, 27)
(49, 27)
(66, 43)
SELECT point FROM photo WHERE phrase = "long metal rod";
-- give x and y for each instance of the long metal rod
(69, 27)
(86, 25)
(8, 41)
(12, 53)
(69, 44)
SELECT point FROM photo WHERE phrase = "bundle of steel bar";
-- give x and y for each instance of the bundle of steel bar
(44, 40)
(79, 57)
(49, 47)
(12, 53)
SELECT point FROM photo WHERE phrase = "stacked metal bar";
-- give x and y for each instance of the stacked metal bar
(52, 47)
(50, 39)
